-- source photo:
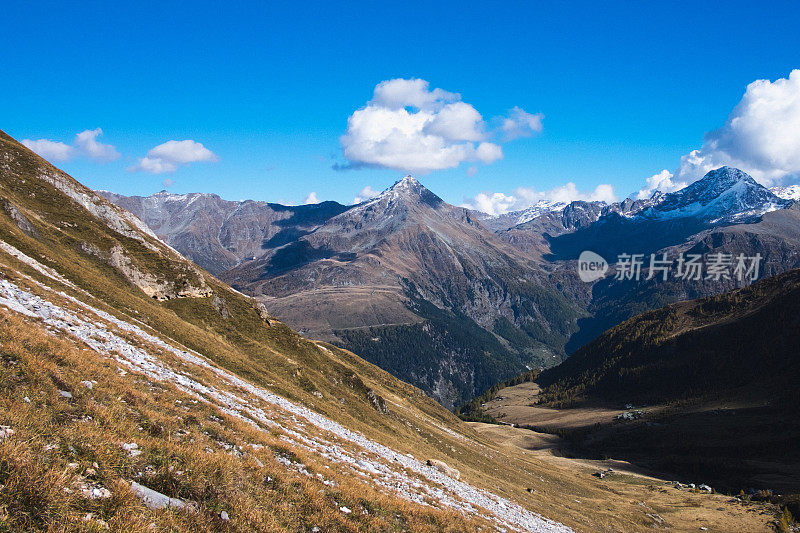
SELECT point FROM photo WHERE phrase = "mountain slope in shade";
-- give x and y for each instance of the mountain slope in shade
(534, 235)
(742, 343)
(725, 367)
(775, 238)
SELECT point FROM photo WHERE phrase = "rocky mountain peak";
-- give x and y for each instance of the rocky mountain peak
(408, 181)
(724, 194)
(406, 191)
(718, 181)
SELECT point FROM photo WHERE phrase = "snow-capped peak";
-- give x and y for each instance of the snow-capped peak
(405, 191)
(408, 188)
(790, 192)
(539, 208)
(724, 194)
(407, 181)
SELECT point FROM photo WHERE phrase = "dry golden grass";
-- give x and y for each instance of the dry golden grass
(58, 439)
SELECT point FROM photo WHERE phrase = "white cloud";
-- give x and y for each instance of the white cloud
(53, 151)
(471, 171)
(86, 143)
(520, 123)
(493, 203)
(761, 135)
(311, 198)
(570, 193)
(488, 153)
(409, 127)
(365, 194)
(169, 156)
(457, 122)
(399, 93)
(167, 183)
(497, 203)
(663, 181)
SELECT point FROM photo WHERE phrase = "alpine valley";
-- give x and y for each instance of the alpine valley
(453, 300)
(141, 393)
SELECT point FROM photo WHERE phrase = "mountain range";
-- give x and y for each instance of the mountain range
(479, 298)
(415, 285)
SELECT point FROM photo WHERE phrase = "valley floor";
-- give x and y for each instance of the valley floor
(649, 502)
(517, 405)
(656, 446)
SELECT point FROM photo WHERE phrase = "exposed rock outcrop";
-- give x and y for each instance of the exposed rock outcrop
(444, 468)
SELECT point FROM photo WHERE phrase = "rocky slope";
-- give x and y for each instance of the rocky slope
(218, 234)
(100, 229)
(515, 218)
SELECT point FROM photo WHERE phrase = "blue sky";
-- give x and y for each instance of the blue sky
(626, 89)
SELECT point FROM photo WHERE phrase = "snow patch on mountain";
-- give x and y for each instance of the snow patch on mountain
(539, 208)
(790, 192)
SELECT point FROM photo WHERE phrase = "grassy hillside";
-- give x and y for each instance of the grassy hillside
(189, 450)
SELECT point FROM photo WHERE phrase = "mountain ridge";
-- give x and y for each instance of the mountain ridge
(713, 382)
(436, 273)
